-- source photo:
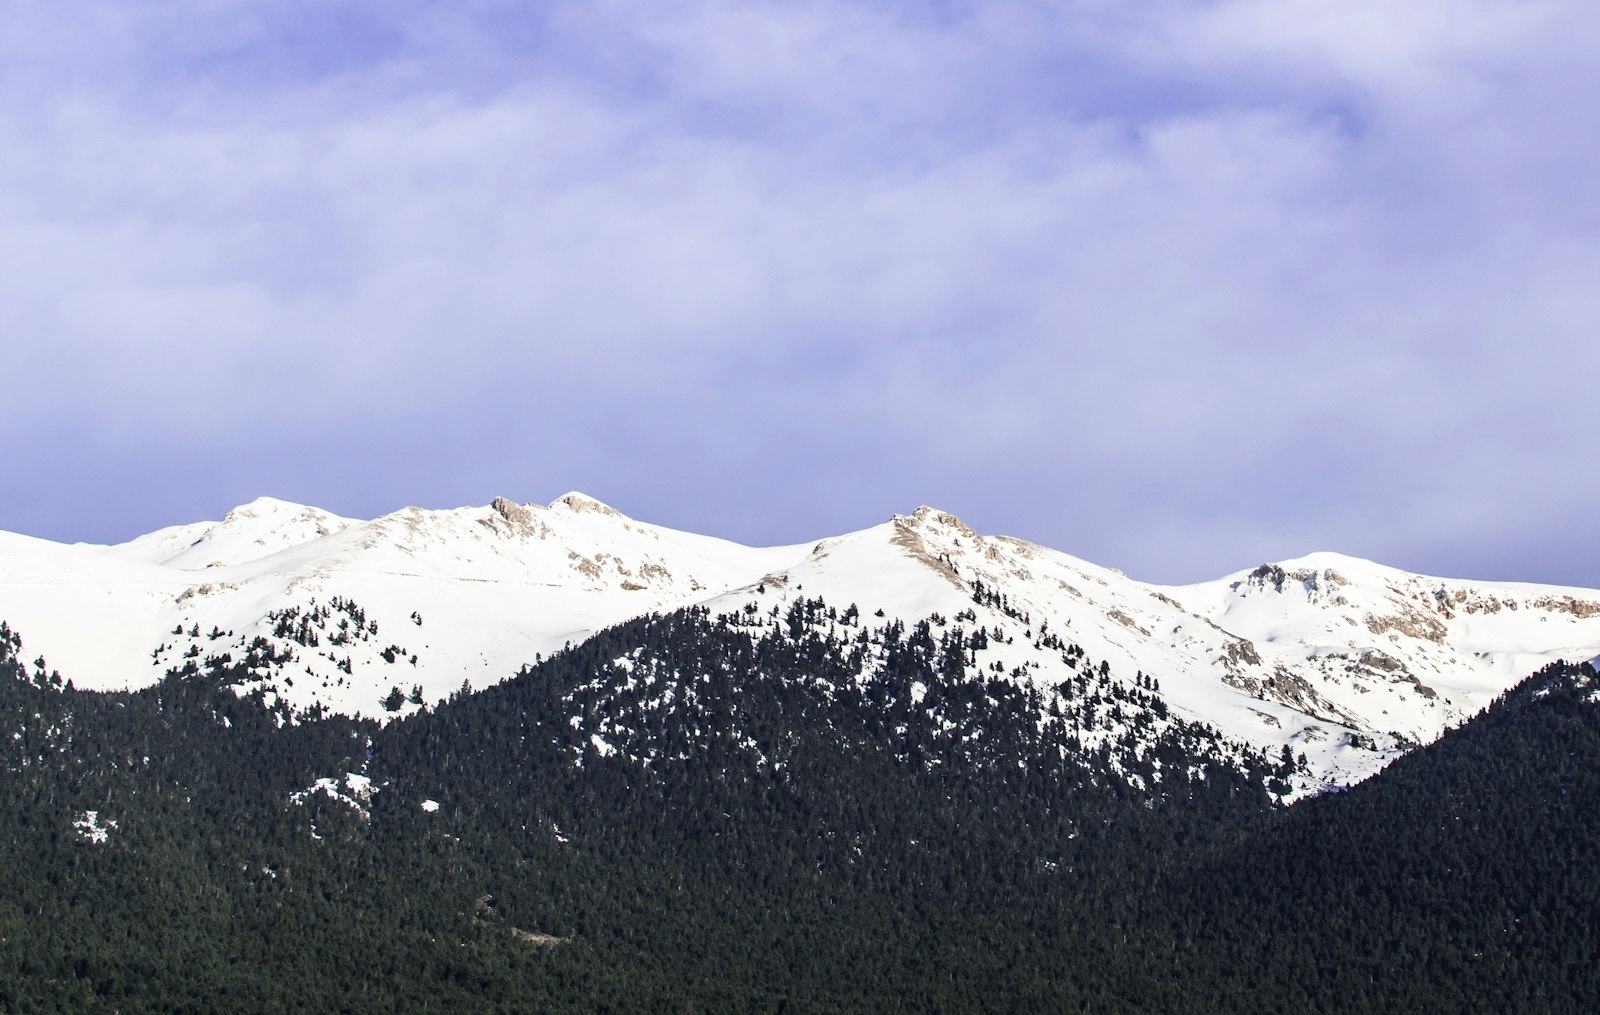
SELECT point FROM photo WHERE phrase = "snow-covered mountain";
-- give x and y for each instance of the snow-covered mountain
(1341, 659)
(416, 598)
(248, 532)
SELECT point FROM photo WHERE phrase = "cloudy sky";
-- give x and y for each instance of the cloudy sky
(1178, 286)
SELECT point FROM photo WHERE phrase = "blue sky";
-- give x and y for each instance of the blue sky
(1178, 287)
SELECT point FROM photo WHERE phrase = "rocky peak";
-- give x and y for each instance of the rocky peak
(582, 503)
(515, 519)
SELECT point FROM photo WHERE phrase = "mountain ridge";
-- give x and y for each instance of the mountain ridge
(1342, 659)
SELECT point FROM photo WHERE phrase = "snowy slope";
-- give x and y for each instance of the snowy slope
(1393, 650)
(248, 532)
(90, 615)
(429, 599)
(1339, 658)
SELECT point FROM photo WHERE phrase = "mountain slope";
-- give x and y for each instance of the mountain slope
(248, 532)
(770, 822)
(1338, 659)
(347, 610)
(767, 824)
(1460, 879)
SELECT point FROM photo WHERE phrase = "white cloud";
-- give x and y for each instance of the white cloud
(1242, 270)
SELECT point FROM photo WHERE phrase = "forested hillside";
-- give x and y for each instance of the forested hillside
(692, 813)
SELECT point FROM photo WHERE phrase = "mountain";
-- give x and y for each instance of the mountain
(1460, 879)
(349, 609)
(248, 532)
(1341, 660)
(689, 812)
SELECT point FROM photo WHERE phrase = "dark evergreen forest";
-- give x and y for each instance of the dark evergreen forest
(696, 813)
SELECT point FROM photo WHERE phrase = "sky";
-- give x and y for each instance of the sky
(1175, 286)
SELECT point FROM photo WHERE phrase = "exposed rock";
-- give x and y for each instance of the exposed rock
(910, 540)
(1583, 609)
(513, 519)
(1374, 659)
(1239, 651)
(1409, 621)
(1290, 689)
(539, 940)
(932, 516)
(1127, 621)
(582, 503)
(1268, 576)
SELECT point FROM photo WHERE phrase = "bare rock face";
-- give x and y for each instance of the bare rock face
(909, 538)
(1268, 576)
(1409, 621)
(585, 566)
(1583, 609)
(538, 940)
(933, 516)
(1318, 585)
(516, 520)
(1128, 622)
(1238, 653)
(1289, 688)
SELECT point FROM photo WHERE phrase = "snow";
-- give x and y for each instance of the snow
(1307, 652)
(495, 586)
(1344, 646)
(354, 790)
(91, 829)
(248, 532)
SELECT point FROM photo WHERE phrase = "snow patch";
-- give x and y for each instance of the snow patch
(354, 790)
(91, 829)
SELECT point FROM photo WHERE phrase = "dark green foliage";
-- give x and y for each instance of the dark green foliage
(1465, 877)
(745, 814)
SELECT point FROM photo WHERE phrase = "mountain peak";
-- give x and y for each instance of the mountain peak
(266, 506)
(506, 507)
(582, 502)
(519, 519)
(1319, 560)
(932, 516)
